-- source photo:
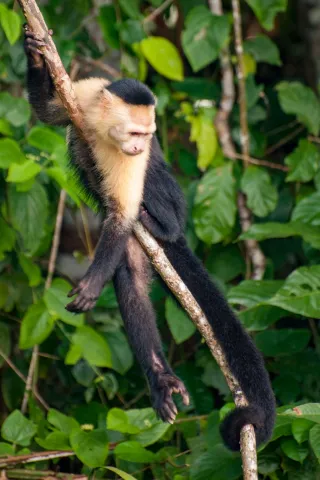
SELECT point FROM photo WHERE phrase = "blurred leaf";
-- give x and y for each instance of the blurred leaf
(10, 22)
(299, 100)
(294, 451)
(204, 36)
(225, 262)
(301, 292)
(282, 342)
(60, 176)
(94, 347)
(217, 464)
(7, 238)
(36, 326)
(263, 49)
(131, 31)
(163, 56)
(131, 8)
(179, 323)
(307, 210)
(90, 447)
(301, 428)
(45, 139)
(62, 422)
(5, 128)
(133, 452)
(82, 371)
(28, 213)
(10, 152)
(56, 300)
(204, 134)
(108, 23)
(262, 196)
(217, 187)
(121, 474)
(121, 354)
(24, 172)
(5, 342)
(6, 449)
(32, 270)
(303, 162)
(16, 110)
(18, 429)
(266, 10)
(314, 439)
(250, 65)
(54, 441)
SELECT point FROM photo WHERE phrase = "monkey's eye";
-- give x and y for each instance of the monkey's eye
(136, 134)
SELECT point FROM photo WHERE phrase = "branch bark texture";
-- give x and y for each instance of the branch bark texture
(148, 243)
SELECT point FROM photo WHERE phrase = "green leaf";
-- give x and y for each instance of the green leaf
(28, 213)
(11, 24)
(74, 355)
(314, 439)
(299, 100)
(282, 342)
(263, 49)
(90, 447)
(16, 110)
(5, 128)
(131, 8)
(7, 238)
(24, 172)
(18, 429)
(118, 420)
(5, 341)
(217, 464)
(62, 422)
(268, 463)
(10, 152)
(94, 347)
(266, 10)
(303, 162)
(56, 300)
(121, 474)
(163, 56)
(205, 136)
(204, 36)
(108, 24)
(301, 292)
(293, 450)
(179, 323)
(61, 177)
(151, 428)
(121, 354)
(307, 210)
(308, 411)
(262, 196)
(32, 270)
(45, 139)
(36, 326)
(260, 317)
(301, 428)
(6, 449)
(54, 441)
(217, 187)
(133, 452)
(251, 293)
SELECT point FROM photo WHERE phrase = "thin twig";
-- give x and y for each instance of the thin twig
(256, 161)
(191, 419)
(284, 140)
(35, 457)
(104, 67)
(313, 139)
(157, 12)
(24, 474)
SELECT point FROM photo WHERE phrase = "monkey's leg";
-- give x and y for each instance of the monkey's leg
(131, 284)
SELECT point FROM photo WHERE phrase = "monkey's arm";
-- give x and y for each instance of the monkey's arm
(42, 93)
(163, 207)
(109, 251)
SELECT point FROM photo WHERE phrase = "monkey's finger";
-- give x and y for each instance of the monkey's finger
(74, 291)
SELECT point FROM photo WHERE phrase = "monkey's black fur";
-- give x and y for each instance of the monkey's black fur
(132, 92)
(119, 256)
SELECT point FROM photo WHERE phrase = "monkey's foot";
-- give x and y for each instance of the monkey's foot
(88, 293)
(161, 394)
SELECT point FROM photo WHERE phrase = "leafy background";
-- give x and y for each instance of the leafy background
(94, 411)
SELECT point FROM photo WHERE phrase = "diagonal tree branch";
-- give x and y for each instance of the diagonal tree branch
(148, 243)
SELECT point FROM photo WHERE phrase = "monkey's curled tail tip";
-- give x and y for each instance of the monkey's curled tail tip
(239, 417)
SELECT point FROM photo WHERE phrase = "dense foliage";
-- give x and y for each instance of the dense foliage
(98, 403)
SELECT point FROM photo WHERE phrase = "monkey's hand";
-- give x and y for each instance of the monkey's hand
(88, 291)
(32, 46)
(161, 395)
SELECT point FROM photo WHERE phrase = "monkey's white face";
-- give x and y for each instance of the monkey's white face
(131, 141)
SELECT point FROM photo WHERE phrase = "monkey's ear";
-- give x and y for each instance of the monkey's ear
(107, 97)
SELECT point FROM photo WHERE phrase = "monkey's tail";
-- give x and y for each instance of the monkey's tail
(245, 361)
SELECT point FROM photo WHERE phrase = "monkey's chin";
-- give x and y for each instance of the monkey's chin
(130, 153)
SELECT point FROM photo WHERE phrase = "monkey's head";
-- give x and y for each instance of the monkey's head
(128, 111)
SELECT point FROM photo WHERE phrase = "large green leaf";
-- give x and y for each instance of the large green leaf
(215, 205)
(266, 10)
(10, 152)
(36, 326)
(261, 317)
(204, 36)
(18, 429)
(282, 342)
(163, 56)
(307, 210)
(19, 173)
(62, 422)
(93, 346)
(262, 196)
(251, 293)
(303, 162)
(28, 213)
(308, 411)
(90, 447)
(205, 136)
(314, 439)
(31, 269)
(263, 49)
(7, 238)
(45, 139)
(217, 464)
(54, 441)
(293, 450)
(56, 300)
(179, 323)
(133, 452)
(121, 354)
(119, 421)
(299, 100)
(11, 24)
(301, 428)
(301, 292)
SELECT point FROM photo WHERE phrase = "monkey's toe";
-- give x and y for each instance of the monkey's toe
(162, 396)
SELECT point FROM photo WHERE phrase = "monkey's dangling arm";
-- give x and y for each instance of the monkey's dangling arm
(108, 253)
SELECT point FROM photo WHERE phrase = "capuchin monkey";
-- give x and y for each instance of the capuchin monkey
(124, 170)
